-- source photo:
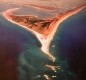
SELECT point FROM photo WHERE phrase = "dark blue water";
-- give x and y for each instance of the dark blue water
(70, 45)
(20, 54)
(22, 59)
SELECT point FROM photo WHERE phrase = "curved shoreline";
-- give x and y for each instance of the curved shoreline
(40, 37)
(9, 12)
(56, 24)
(45, 40)
(64, 17)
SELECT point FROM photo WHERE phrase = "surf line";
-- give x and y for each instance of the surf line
(44, 40)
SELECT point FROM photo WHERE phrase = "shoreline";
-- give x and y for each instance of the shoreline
(40, 37)
(45, 40)
(56, 22)
(9, 12)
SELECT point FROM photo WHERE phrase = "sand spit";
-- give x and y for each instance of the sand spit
(45, 40)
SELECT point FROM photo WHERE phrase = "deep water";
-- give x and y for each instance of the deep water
(70, 45)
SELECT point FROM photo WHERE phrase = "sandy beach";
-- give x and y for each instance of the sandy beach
(40, 37)
(55, 24)
(45, 40)
(9, 12)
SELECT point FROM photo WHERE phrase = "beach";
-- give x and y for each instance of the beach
(40, 37)
(54, 25)
(45, 40)
(42, 40)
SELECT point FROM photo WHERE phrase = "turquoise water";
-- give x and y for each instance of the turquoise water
(19, 50)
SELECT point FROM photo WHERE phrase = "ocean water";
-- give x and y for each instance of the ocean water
(22, 59)
(19, 51)
(70, 44)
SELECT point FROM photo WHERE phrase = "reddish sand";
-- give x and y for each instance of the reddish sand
(38, 27)
(60, 18)
(44, 38)
(46, 30)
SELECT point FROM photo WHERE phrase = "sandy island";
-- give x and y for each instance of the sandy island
(43, 33)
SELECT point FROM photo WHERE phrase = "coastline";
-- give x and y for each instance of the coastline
(46, 31)
(40, 37)
(45, 40)
(55, 24)
(9, 12)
